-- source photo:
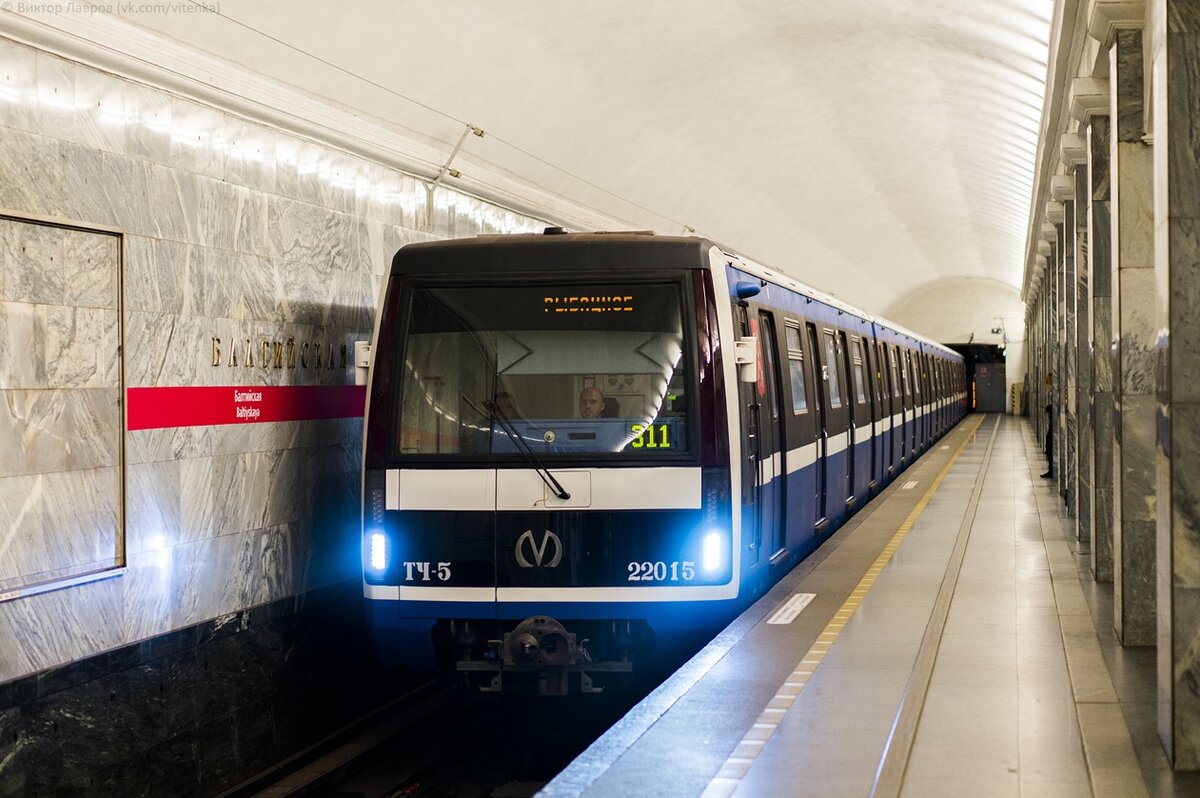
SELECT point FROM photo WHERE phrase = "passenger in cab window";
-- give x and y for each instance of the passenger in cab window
(591, 403)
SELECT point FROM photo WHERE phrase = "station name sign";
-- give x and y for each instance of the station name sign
(270, 353)
(164, 407)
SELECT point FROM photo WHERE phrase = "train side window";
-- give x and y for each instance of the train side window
(767, 348)
(880, 376)
(796, 368)
(831, 370)
(856, 360)
(895, 368)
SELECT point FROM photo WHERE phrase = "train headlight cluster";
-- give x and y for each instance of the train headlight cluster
(714, 552)
(377, 552)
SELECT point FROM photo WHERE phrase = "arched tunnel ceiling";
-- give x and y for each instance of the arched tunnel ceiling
(868, 148)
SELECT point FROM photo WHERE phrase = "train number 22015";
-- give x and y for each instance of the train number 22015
(662, 571)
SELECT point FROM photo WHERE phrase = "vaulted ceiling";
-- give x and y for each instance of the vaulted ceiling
(880, 151)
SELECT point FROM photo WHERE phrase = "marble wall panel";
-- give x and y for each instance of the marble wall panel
(250, 155)
(306, 295)
(386, 196)
(315, 236)
(383, 241)
(296, 169)
(1138, 435)
(236, 439)
(100, 116)
(55, 114)
(78, 346)
(250, 222)
(1184, 298)
(1126, 71)
(1102, 367)
(57, 525)
(164, 276)
(33, 168)
(167, 349)
(257, 289)
(32, 260)
(178, 443)
(153, 506)
(104, 188)
(86, 619)
(354, 298)
(1138, 329)
(197, 142)
(22, 362)
(50, 431)
(18, 85)
(89, 263)
(148, 123)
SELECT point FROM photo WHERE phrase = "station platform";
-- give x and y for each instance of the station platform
(949, 647)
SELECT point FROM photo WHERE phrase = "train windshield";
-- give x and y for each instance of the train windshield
(551, 368)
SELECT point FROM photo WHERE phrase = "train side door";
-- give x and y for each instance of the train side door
(820, 431)
(836, 415)
(752, 445)
(852, 425)
(899, 428)
(773, 465)
(883, 387)
(801, 433)
(864, 400)
(910, 406)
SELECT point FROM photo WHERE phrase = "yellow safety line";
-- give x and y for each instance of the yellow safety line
(743, 756)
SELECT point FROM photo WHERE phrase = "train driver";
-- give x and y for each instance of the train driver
(591, 403)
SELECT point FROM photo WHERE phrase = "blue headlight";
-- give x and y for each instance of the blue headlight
(714, 551)
(377, 554)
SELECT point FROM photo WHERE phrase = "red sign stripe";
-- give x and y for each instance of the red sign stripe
(193, 406)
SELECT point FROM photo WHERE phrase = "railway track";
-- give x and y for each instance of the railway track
(432, 744)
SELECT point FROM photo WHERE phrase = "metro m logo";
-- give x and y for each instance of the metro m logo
(538, 551)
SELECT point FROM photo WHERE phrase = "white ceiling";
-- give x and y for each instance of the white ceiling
(880, 150)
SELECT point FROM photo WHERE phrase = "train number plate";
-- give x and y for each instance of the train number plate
(660, 571)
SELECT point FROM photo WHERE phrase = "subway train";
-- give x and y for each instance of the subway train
(586, 453)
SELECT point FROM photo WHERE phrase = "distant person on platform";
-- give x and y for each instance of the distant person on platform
(591, 403)
(1049, 447)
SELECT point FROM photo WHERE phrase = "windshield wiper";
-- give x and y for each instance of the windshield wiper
(523, 446)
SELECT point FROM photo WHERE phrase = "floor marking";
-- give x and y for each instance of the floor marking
(792, 608)
(729, 776)
(912, 483)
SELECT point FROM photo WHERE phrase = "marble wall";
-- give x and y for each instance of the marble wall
(1134, 334)
(60, 430)
(231, 229)
(1082, 400)
(1175, 59)
(1100, 311)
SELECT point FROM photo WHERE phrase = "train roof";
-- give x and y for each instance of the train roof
(757, 269)
(541, 250)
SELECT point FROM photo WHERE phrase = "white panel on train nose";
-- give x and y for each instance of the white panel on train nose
(523, 489)
(447, 489)
(576, 483)
(666, 488)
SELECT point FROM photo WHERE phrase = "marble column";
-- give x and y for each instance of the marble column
(1133, 338)
(1066, 338)
(1175, 58)
(1081, 399)
(1100, 313)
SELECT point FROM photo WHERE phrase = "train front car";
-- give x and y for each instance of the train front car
(546, 466)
